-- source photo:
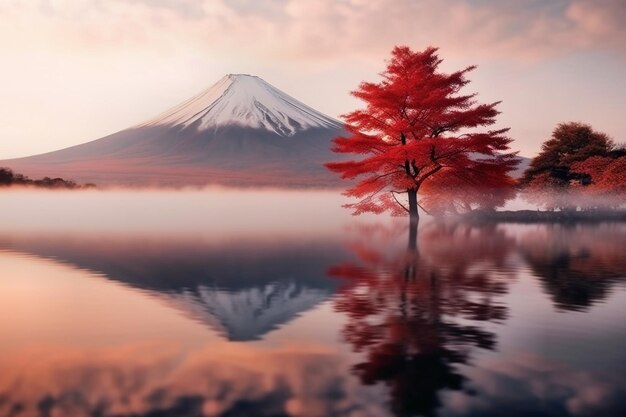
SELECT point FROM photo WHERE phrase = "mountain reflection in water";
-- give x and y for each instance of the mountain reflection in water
(476, 321)
(241, 288)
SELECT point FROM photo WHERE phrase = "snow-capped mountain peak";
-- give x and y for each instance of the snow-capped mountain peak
(245, 100)
(247, 313)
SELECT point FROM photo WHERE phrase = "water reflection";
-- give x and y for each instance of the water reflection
(577, 265)
(405, 307)
(470, 321)
(241, 288)
(160, 380)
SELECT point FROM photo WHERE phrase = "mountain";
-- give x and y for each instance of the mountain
(247, 313)
(240, 131)
(243, 289)
(245, 100)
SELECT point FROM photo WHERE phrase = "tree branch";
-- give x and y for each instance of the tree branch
(425, 211)
(393, 194)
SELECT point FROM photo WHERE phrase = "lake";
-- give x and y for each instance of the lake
(279, 303)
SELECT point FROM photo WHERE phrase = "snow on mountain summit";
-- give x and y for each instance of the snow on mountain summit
(245, 100)
(239, 132)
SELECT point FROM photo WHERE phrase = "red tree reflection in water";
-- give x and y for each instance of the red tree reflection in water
(415, 313)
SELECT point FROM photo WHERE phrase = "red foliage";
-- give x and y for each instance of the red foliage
(608, 175)
(603, 185)
(417, 130)
(416, 315)
(577, 167)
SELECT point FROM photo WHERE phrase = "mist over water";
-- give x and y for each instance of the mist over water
(573, 200)
(262, 302)
(205, 211)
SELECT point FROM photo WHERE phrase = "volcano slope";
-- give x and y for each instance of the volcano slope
(241, 131)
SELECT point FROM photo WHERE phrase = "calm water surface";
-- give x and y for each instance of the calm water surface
(223, 303)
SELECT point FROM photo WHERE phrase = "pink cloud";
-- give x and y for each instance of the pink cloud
(601, 22)
(146, 378)
(327, 29)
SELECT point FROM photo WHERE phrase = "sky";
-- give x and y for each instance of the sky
(76, 70)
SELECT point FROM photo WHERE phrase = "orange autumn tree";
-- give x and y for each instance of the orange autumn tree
(572, 169)
(607, 174)
(420, 137)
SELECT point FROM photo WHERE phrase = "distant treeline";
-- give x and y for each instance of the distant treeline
(536, 216)
(9, 178)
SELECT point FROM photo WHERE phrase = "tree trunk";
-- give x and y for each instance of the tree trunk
(413, 213)
(413, 235)
(414, 218)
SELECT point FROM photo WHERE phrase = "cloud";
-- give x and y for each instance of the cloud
(533, 385)
(601, 22)
(488, 29)
(147, 379)
(322, 30)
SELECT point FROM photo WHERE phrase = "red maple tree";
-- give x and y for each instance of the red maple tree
(419, 135)
(608, 179)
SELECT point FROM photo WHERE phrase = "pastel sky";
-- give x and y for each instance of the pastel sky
(75, 70)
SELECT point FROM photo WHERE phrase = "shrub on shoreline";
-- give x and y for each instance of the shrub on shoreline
(8, 178)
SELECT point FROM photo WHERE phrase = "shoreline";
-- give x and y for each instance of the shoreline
(535, 216)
